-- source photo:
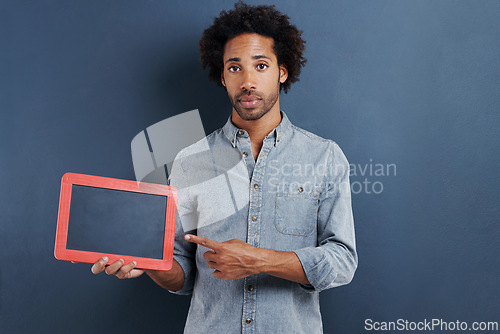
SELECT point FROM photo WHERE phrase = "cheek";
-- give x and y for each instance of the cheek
(275, 81)
(230, 83)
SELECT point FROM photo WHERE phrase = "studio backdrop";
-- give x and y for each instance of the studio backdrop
(410, 90)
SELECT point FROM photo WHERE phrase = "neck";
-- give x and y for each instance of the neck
(258, 129)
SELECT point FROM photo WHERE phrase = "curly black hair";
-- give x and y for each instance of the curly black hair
(263, 20)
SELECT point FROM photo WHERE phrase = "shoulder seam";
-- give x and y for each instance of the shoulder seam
(310, 134)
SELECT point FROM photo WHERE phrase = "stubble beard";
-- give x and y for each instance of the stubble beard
(255, 114)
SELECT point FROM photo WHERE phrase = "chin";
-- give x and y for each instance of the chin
(250, 115)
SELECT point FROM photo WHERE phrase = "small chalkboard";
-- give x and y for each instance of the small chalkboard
(120, 219)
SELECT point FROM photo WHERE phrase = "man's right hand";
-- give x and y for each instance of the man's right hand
(172, 279)
(118, 268)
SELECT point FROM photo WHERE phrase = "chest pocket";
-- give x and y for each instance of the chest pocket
(296, 211)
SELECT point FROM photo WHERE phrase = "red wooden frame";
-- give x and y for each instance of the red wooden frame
(70, 179)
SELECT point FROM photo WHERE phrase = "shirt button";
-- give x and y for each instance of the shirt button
(248, 321)
(300, 189)
(245, 154)
(250, 288)
(240, 132)
(256, 186)
(254, 218)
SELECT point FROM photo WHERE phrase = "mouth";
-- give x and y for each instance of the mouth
(249, 102)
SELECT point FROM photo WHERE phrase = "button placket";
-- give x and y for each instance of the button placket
(244, 146)
(249, 291)
(256, 189)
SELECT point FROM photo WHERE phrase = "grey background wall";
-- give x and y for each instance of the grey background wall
(412, 87)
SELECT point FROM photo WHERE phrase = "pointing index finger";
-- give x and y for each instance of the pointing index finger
(202, 241)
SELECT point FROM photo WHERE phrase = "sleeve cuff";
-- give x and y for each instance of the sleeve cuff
(187, 268)
(316, 267)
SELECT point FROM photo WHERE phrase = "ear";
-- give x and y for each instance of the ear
(283, 73)
(222, 78)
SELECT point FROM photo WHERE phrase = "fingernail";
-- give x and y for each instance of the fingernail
(135, 263)
(105, 258)
(187, 237)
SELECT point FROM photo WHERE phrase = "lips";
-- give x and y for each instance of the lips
(249, 101)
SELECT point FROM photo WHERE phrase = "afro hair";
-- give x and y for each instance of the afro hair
(263, 20)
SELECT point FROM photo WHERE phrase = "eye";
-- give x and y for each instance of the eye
(262, 66)
(233, 68)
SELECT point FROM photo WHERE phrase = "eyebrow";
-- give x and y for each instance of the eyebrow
(254, 57)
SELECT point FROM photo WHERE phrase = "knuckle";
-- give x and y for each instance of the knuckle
(122, 273)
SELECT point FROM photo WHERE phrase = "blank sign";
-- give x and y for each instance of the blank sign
(120, 219)
(116, 221)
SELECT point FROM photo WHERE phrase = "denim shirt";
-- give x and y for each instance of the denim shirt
(294, 197)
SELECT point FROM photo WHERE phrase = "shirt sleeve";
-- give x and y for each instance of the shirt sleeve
(184, 251)
(333, 262)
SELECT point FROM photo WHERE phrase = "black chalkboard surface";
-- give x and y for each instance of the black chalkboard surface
(118, 218)
(115, 221)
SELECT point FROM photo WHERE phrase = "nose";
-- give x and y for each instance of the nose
(248, 81)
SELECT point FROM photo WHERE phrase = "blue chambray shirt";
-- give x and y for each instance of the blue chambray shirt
(294, 197)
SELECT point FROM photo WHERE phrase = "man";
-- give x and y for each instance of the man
(261, 268)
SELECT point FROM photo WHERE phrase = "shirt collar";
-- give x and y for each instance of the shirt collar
(279, 132)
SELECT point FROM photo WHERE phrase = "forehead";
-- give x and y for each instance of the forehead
(249, 45)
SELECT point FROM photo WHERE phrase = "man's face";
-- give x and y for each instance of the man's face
(252, 76)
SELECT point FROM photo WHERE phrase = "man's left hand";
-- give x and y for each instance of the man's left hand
(232, 259)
